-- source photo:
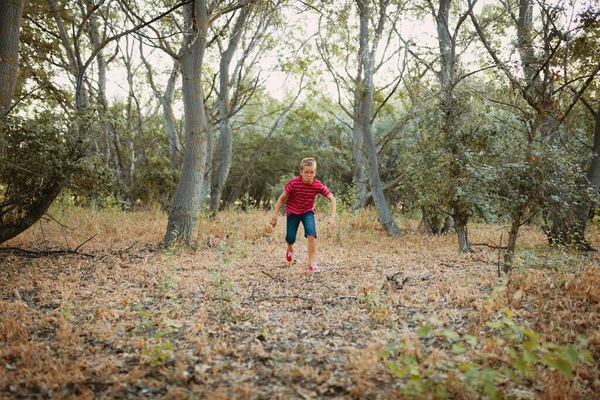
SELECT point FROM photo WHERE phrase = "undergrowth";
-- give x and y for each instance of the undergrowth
(406, 317)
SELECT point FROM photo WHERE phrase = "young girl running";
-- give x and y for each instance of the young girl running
(299, 197)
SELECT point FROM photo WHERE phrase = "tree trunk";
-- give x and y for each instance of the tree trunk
(223, 157)
(44, 198)
(74, 64)
(111, 143)
(184, 209)
(572, 232)
(448, 79)
(166, 102)
(364, 121)
(359, 161)
(515, 225)
(10, 23)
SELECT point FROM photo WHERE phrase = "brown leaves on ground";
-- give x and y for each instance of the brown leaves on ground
(405, 317)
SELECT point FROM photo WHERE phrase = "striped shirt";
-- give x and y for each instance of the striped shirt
(301, 197)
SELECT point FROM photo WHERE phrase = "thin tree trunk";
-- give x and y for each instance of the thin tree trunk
(513, 234)
(224, 151)
(364, 120)
(166, 103)
(448, 79)
(111, 142)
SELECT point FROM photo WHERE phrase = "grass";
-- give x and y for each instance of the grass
(230, 320)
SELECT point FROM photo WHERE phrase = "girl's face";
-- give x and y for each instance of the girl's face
(308, 174)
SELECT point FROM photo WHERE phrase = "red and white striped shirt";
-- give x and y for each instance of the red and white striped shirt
(301, 197)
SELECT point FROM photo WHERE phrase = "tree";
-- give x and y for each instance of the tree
(228, 105)
(365, 112)
(539, 43)
(584, 52)
(349, 51)
(10, 21)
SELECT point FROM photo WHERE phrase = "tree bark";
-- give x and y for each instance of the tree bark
(10, 23)
(43, 200)
(448, 80)
(185, 206)
(364, 121)
(223, 156)
(111, 142)
(166, 103)
(573, 232)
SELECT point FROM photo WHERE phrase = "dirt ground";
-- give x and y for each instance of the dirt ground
(114, 316)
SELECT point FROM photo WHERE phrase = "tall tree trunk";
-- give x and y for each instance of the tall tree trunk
(75, 64)
(166, 103)
(44, 198)
(184, 209)
(448, 79)
(575, 231)
(223, 156)
(10, 23)
(111, 143)
(359, 162)
(364, 121)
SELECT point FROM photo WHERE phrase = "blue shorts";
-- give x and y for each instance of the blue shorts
(293, 222)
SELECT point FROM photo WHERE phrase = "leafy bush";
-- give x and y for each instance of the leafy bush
(43, 156)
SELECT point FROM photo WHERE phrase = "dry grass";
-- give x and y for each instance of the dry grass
(229, 320)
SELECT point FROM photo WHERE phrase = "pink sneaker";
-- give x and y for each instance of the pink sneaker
(313, 268)
(289, 256)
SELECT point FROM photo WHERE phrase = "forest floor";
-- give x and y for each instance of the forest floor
(408, 317)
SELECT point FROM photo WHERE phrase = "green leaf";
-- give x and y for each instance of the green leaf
(458, 348)
(564, 367)
(495, 324)
(529, 356)
(423, 330)
(532, 335)
(450, 334)
(570, 354)
(472, 340)
(467, 367)
(530, 345)
(147, 323)
(522, 366)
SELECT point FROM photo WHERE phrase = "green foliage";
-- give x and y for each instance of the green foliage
(261, 166)
(42, 153)
(425, 372)
(446, 169)
(225, 292)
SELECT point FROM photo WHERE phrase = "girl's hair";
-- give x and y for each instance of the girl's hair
(308, 162)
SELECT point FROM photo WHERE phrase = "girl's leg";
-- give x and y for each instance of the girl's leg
(312, 249)
(291, 229)
(310, 231)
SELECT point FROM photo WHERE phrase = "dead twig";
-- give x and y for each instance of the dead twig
(78, 247)
(491, 246)
(285, 297)
(44, 253)
(273, 277)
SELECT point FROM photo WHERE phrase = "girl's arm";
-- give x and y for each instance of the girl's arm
(280, 202)
(333, 205)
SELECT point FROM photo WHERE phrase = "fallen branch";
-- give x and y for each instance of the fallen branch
(44, 253)
(272, 277)
(491, 246)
